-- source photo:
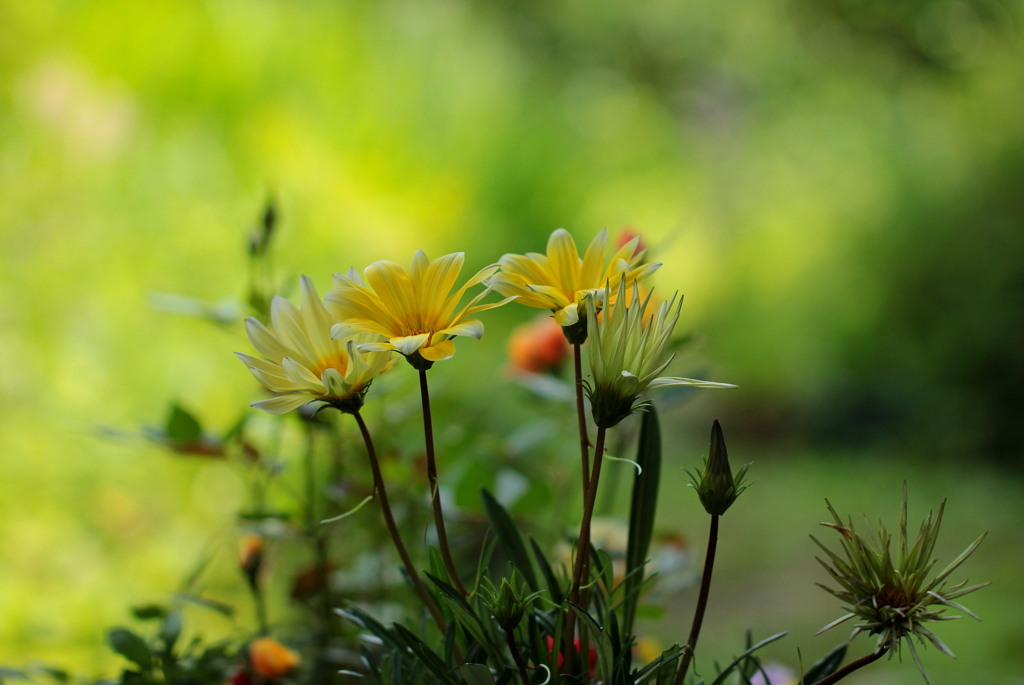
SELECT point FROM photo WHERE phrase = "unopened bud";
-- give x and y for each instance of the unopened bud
(509, 603)
(250, 558)
(716, 485)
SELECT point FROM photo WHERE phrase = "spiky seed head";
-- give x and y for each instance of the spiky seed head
(892, 596)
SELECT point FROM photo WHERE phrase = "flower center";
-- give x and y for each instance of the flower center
(893, 597)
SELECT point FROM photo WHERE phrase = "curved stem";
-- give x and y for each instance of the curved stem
(581, 416)
(389, 519)
(435, 494)
(583, 545)
(852, 666)
(517, 656)
(702, 602)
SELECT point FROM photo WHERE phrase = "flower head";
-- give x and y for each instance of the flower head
(560, 280)
(271, 659)
(626, 353)
(304, 363)
(893, 597)
(413, 310)
(537, 346)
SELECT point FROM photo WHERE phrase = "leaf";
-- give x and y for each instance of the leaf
(182, 427)
(511, 540)
(554, 589)
(603, 643)
(642, 510)
(742, 657)
(171, 629)
(131, 647)
(826, 665)
(149, 612)
(426, 655)
(476, 674)
(212, 604)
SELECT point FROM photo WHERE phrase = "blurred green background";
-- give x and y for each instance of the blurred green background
(834, 185)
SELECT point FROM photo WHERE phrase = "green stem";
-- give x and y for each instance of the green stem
(702, 602)
(382, 495)
(435, 494)
(581, 416)
(583, 545)
(852, 666)
(517, 656)
(260, 603)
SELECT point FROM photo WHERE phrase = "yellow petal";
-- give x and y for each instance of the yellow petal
(355, 302)
(288, 327)
(265, 342)
(282, 404)
(394, 288)
(527, 269)
(410, 343)
(472, 328)
(453, 301)
(316, 320)
(556, 298)
(420, 262)
(301, 376)
(593, 261)
(563, 260)
(568, 315)
(442, 350)
(376, 347)
(438, 281)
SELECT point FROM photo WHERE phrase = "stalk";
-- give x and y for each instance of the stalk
(261, 608)
(702, 602)
(581, 416)
(583, 546)
(852, 666)
(435, 495)
(382, 495)
(517, 656)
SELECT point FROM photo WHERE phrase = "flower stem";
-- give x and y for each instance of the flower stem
(583, 545)
(517, 656)
(260, 603)
(435, 494)
(581, 416)
(852, 666)
(396, 537)
(702, 602)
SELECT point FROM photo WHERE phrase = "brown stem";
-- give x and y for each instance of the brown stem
(517, 656)
(581, 416)
(435, 494)
(396, 537)
(702, 602)
(852, 666)
(583, 545)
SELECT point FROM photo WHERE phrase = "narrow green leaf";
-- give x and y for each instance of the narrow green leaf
(476, 674)
(511, 540)
(642, 511)
(554, 588)
(826, 665)
(742, 657)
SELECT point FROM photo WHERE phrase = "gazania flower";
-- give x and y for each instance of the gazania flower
(891, 595)
(627, 351)
(271, 659)
(560, 280)
(304, 363)
(413, 310)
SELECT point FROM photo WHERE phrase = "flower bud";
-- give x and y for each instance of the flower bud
(271, 659)
(716, 485)
(509, 603)
(250, 558)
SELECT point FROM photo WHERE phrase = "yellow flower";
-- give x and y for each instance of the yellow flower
(413, 309)
(304, 363)
(560, 280)
(626, 352)
(271, 659)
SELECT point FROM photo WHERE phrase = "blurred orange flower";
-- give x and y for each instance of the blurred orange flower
(627, 234)
(250, 556)
(271, 659)
(537, 346)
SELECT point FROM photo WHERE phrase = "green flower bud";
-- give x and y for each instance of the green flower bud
(716, 484)
(510, 602)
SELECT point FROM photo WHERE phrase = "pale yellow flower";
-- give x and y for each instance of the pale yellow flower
(560, 280)
(413, 310)
(627, 352)
(304, 363)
